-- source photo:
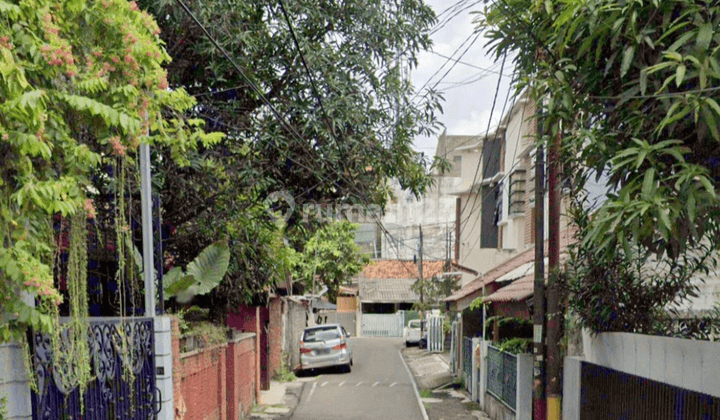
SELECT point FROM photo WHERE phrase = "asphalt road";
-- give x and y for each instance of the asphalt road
(378, 388)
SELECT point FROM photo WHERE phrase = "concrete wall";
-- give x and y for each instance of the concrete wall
(164, 366)
(435, 211)
(294, 321)
(689, 364)
(14, 383)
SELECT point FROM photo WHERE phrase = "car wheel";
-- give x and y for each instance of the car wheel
(348, 368)
(407, 344)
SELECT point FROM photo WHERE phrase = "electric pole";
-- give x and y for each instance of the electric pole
(422, 285)
(554, 315)
(539, 407)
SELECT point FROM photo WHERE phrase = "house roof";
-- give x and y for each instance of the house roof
(515, 267)
(387, 290)
(516, 291)
(347, 291)
(400, 269)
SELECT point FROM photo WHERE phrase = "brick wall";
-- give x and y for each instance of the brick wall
(214, 383)
(203, 384)
(241, 376)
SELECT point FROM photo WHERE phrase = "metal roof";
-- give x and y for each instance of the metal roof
(387, 291)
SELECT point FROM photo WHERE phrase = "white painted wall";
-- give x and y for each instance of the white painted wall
(689, 364)
(14, 382)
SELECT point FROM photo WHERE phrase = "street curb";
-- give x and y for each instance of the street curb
(298, 398)
(415, 388)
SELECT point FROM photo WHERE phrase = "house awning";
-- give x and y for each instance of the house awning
(516, 291)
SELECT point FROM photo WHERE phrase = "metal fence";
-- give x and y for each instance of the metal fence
(502, 376)
(610, 394)
(467, 361)
(436, 337)
(119, 350)
(383, 325)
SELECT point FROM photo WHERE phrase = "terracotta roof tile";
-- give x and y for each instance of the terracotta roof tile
(566, 237)
(400, 269)
(514, 292)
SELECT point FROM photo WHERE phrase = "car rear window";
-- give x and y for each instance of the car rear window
(415, 324)
(321, 334)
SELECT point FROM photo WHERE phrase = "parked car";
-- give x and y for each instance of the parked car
(412, 332)
(324, 346)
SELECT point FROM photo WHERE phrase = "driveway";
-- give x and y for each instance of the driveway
(378, 388)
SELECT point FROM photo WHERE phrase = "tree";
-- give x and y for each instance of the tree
(346, 115)
(80, 84)
(332, 257)
(629, 89)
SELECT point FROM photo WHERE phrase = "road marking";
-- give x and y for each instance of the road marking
(375, 384)
(312, 390)
(342, 383)
(393, 384)
(324, 383)
(414, 386)
(358, 384)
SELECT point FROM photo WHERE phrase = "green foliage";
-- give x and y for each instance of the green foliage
(516, 345)
(77, 81)
(332, 256)
(284, 374)
(434, 290)
(202, 275)
(629, 89)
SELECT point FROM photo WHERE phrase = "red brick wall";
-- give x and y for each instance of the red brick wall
(241, 377)
(275, 335)
(245, 319)
(204, 384)
(216, 382)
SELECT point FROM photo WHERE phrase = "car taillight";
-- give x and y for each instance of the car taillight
(304, 350)
(340, 346)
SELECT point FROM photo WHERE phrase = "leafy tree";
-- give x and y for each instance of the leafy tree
(332, 257)
(342, 151)
(629, 90)
(80, 83)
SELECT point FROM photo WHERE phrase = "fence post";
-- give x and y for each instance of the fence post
(483, 373)
(524, 388)
(476, 360)
(571, 388)
(164, 366)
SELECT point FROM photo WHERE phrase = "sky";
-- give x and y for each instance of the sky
(467, 106)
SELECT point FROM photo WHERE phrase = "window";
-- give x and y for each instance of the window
(457, 164)
(517, 192)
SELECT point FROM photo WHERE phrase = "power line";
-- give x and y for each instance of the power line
(447, 20)
(446, 62)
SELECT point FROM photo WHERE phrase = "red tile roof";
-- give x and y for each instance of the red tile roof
(516, 291)
(566, 238)
(400, 269)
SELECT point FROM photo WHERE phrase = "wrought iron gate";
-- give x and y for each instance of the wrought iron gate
(108, 395)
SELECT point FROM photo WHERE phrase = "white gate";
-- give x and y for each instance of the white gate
(383, 325)
(436, 337)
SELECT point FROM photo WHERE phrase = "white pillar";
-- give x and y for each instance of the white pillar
(147, 229)
(523, 387)
(476, 362)
(164, 366)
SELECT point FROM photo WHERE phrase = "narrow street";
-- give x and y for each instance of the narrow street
(379, 387)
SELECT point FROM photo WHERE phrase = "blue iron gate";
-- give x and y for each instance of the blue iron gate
(610, 394)
(502, 376)
(108, 396)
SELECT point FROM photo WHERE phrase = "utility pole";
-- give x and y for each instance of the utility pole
(422, 285)
(554, 315)
(539, 407)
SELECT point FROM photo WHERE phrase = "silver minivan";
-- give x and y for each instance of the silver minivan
(325, 345)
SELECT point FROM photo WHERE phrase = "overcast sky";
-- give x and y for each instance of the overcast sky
(468, 96)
